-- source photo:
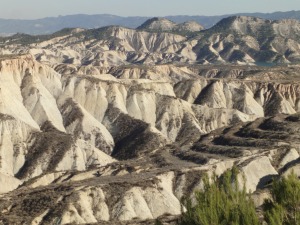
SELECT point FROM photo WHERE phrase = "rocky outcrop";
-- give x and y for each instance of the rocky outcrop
(165, 25)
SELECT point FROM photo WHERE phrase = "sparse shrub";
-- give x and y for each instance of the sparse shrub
(157, 222)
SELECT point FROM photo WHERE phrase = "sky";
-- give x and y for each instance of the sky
(33, 9)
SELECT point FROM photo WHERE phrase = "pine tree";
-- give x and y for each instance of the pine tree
(221, 202)
(284, 208)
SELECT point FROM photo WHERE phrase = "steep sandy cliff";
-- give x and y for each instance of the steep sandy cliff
(53, 122)
(72, 132)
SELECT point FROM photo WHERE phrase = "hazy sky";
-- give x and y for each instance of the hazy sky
(29, 9)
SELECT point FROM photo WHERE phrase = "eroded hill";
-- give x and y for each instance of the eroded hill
(237, 39)
(95, 129)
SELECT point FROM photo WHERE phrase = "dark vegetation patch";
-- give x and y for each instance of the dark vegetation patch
(262, 134)
(224, 151)
(49, 147)
(4, 117)
(29, 205)
(273, 124)
(192, 178)
(244, 142)
(204, 94)
(132, 136)
(115, 191)
(71, 113)
(293, 118)
(237, 55)
(206, 54)
(26, 39)
(194, 157)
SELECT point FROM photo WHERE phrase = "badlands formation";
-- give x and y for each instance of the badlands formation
(115, 125)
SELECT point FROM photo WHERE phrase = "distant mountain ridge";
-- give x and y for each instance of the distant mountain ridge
(236, 39)
(162, 24)
(52, 24)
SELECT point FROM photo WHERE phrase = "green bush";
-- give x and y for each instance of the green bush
(284, 208)
(221, 202)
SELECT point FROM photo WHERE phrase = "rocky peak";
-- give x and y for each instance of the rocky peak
(162, 24)
(287, 28)
(156, 24)
(259, 28)
(190, 26)
(241, 24)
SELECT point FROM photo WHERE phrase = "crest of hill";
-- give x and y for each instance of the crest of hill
(156, 24)
(162, 24)
(191, 26)
(52, 24)
(254, 26)
(240, 24)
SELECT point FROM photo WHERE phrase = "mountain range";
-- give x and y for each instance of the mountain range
(235, 39)
(52, 24)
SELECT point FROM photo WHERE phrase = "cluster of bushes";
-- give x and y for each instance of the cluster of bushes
(224, 202)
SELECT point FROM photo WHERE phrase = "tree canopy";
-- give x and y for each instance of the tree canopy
(284, 207)
(221, 202)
